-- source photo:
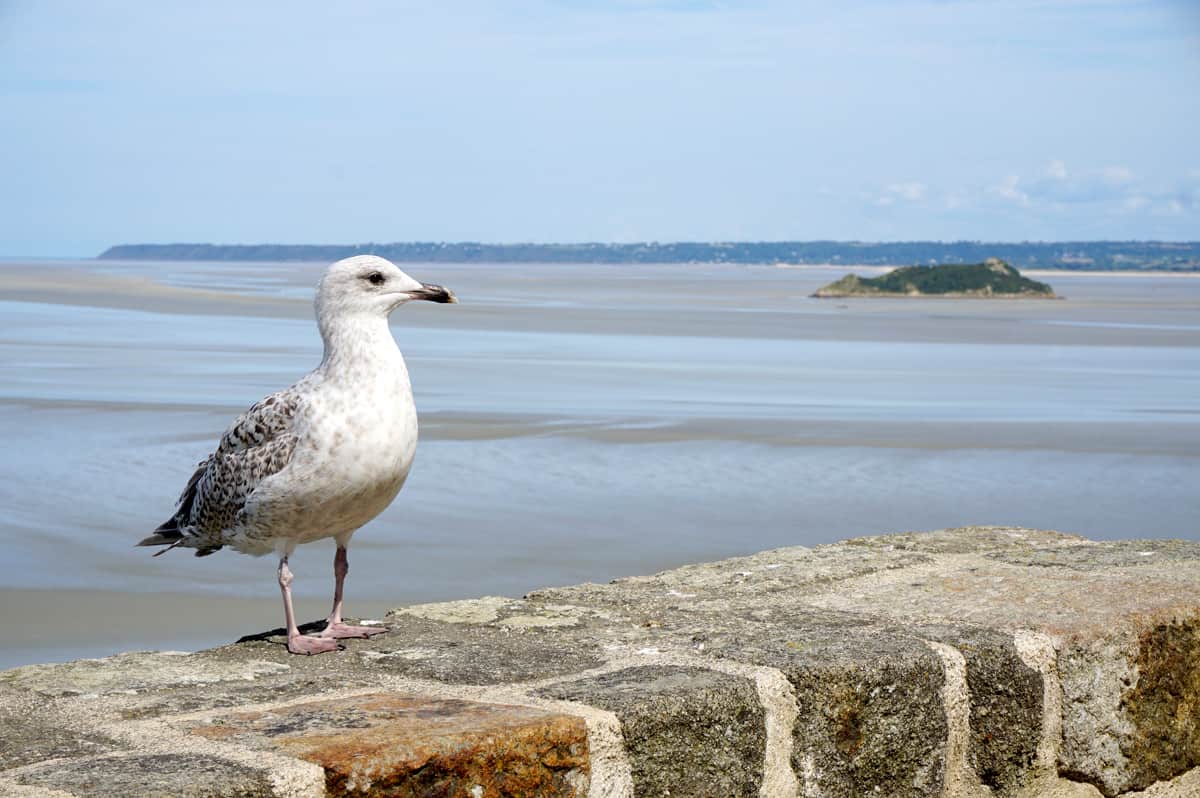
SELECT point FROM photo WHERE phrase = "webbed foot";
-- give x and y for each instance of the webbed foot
(312, 644)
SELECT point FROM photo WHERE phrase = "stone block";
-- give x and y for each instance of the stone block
(687, 731)
(1006, 705)
(410, 746)
(151, 776)
(870, 716)
(1124, 618)
(1131, 703)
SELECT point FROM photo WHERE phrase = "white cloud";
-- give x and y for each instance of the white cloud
(894, 192)
(955, 200)
(1060, 185)
(1117, 175)
(1187, 191)
(1113, 189)
(909, 191)
(1055, 191)
(1008, 190)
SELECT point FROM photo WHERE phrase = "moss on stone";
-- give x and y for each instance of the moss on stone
(1164, 704)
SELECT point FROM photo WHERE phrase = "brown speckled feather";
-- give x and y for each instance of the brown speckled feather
(258, 444)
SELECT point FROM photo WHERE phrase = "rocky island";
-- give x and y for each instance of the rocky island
(992, 278)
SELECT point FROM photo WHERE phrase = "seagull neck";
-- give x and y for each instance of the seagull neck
(351, 342)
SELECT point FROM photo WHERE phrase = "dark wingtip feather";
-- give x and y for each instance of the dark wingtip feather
(167, 532)
(170, 527)
(168, 535)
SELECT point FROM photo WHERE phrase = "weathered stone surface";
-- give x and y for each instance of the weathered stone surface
(1185, 786)
(870, 724)
(217, 695)
(870, 714)
(713, 586)
(1006, 705)
(889, 663)
(446, 646)
(1163, 705)
(985, 590)
(398, 745)
(1131, 704)
(688, 731)
(1095, 556)
(152, 776)
(970, 540)
(871, 719)
(134, 672)
(1131, 612)
(32, 730)
(461, 653)
(1003, 579)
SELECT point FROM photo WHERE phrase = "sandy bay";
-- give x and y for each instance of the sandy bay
(579, 423)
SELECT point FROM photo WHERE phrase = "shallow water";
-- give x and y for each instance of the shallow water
(580, 423)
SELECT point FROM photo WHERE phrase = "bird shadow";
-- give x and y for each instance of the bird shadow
(312, 627)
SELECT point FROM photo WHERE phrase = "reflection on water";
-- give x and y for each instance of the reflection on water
(582, 423)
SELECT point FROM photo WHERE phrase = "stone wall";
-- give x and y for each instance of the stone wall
(962, 663)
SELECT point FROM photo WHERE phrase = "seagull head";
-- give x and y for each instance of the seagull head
(371, 285)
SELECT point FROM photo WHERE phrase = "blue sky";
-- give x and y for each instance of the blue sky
(582, 120)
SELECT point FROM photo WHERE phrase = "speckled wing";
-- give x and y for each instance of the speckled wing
(259, 443)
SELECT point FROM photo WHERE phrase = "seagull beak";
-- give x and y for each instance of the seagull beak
(434, 293)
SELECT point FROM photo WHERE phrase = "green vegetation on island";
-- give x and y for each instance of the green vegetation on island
(992, 278)
(1083, 255)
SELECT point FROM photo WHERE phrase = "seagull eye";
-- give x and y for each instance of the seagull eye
(374, 278)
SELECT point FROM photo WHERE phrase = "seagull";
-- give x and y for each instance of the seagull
(318, 459)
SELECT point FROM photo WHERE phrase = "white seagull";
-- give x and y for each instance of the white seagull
(321, 458)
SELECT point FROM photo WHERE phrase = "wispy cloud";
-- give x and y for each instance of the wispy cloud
(1009, 189)
(900, 192)
(1061, 190)
(1185, 195)
(1059, 184)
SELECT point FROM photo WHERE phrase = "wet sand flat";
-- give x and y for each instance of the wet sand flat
(578, 423)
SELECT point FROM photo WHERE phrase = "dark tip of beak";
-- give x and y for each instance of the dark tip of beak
(434, 293)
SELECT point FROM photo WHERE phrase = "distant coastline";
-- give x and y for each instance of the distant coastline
(1136, 256)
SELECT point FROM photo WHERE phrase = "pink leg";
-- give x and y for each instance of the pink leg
(296, 642)
(334, 627)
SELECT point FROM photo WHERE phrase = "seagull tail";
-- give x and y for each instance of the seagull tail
(169, 535)
(169, 532)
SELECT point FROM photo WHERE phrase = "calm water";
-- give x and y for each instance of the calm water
(586, 422)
